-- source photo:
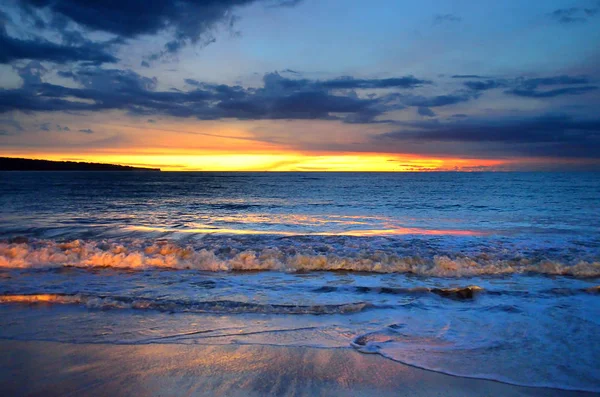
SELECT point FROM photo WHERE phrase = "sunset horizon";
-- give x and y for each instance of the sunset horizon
(349, 162)
(300, 198)
(299, 162)
(437, 89)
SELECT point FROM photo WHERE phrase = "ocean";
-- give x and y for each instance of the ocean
(482, 275)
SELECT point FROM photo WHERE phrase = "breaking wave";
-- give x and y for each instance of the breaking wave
(170, 255)
(175, 306)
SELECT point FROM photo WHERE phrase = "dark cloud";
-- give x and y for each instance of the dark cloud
(554, 80)
(352, 83)
(4, 20)
(316, 104)
(31, 73)
(151, 121)
(425, 111)
(87, 131)
(567, 15)
(467, 76)
(111, 80)
(278, 98)
(47, 127)
(369, 114)
(531, 87)
(536, 87)
(484, 85)
(439, 100)
(131, 18)
(277, 82)
(193, 82)
(15, 125)
(186, 21)
(532, 93)
(286, 3)
(552, 135)
(13, 49)
(444, 18)
(345, 98)
(573, 15)
(590, 12)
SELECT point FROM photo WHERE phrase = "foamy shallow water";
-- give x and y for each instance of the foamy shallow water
(535, 330)
(487, 275)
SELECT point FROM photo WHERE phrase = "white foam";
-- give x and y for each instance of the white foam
(142, 254)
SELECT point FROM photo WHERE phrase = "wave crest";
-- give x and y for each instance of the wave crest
(169, 255)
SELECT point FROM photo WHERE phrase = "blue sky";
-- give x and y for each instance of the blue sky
(475, 80)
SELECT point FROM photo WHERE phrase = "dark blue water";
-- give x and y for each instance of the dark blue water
(491, 275)
(305, 203)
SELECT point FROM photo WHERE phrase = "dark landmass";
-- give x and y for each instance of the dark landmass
(18, 164)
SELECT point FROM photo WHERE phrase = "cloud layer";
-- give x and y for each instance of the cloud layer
(549, 135)
(441, 83)
(181, 22)
(279, 98)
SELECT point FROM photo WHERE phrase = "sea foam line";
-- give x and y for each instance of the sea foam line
(221, 306)
(171, 255)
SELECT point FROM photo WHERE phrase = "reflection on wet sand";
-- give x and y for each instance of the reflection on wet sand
(52, 369)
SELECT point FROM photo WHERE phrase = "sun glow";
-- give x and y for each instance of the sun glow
(272, 162)
(183, 145)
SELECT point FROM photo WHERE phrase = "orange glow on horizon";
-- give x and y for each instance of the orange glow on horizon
(234, 145)
(175, 161)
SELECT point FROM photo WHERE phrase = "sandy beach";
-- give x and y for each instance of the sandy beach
(59, 369)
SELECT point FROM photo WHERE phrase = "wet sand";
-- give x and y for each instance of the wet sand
(60, 369)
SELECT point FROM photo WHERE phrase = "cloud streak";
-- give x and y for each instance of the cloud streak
(550, 135)
(536, 87)
(573, 15)
(279, 98)
(349, 99)
(445, 18)
(12, 49)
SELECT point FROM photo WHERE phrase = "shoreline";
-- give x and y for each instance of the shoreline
(56, 369)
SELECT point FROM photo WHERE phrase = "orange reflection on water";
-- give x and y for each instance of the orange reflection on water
(211, 230)
(410, 230)
(288, 219)
(397, 231)
(303, 224)
(36, 298)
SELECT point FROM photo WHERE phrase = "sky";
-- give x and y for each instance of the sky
(303, 85)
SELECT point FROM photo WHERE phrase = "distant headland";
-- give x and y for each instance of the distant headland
(20, 164)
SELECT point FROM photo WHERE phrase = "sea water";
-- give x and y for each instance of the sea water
(487, 275)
